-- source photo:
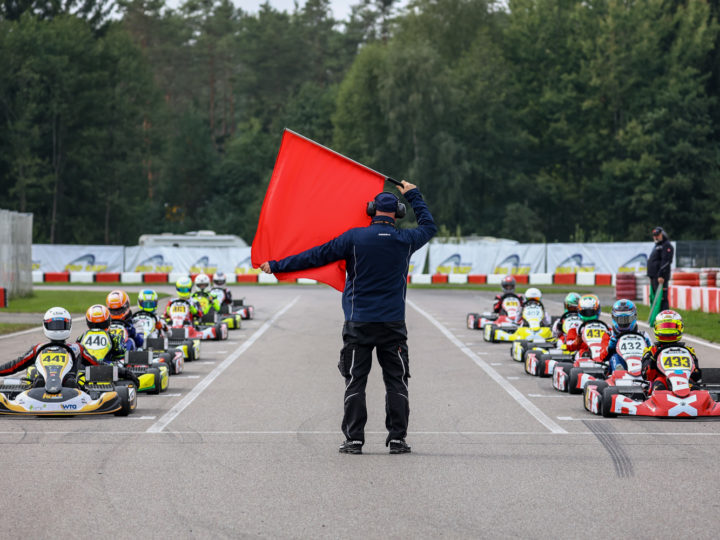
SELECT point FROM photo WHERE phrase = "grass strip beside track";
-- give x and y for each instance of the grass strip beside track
(9, 328)
(74, 301)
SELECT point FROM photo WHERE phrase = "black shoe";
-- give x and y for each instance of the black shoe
(351, 447)
(399, 446)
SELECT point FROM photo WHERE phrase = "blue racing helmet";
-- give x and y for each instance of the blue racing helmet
(624, 316)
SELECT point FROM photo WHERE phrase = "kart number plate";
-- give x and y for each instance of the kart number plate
(54, 358)
(630, 346)
(676, 359)
(593, 333)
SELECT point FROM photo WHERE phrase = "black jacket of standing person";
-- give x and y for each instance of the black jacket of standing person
(659, 263)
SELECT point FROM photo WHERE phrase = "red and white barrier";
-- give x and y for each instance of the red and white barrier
(706, 299)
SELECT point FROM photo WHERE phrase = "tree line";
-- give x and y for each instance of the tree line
(537, 120)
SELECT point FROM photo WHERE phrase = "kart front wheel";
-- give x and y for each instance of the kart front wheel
(607, 401)
(127, 402)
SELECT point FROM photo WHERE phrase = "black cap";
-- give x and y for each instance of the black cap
(658, 230)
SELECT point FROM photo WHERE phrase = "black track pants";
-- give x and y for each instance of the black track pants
(390, 342)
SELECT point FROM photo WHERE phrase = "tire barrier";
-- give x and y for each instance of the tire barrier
(625, 286)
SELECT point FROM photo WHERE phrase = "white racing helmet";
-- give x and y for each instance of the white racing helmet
(57, 324)
(219, 279)
(202, 281)
(533, 293)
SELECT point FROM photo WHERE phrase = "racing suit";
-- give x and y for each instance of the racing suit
(609, 348)
(117, 350)
(212, 301)
(497, 307)
(161, 326)
(650, 371)
(658, 266)
(377, 258)
(227, 295)
(137, 339)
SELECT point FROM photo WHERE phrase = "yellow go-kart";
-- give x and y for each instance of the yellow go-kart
(531, 326)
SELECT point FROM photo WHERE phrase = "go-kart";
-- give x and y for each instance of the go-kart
(152, 375)
(592, 333)
(212, 316)
(181, 318)
(155, 339)
(42, 393)
(683, 398)
(520, 347)
(510, 307)
(531, 327)
(237, 306)
(631, 349)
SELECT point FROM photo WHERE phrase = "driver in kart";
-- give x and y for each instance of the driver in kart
(118, 302)
(148, 303)
(218, 282)
(668, 329)
(508, 289)
(57, 325)
(97, 317)
(589, 311)
(624, 321)
(533, 295)
(183, 287)
(571, 308)
(202, 294)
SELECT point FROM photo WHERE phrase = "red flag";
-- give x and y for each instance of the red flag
(315, 195)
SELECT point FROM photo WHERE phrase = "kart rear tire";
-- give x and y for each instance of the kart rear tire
(191, 350)
(606, 405)
(489, 333)
(573, 377)
(125, 407)
(471, 321)
(600, 385)
(157, 381)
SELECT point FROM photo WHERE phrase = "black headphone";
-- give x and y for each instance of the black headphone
(400, 209)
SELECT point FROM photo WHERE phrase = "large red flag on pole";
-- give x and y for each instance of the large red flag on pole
(315, 195)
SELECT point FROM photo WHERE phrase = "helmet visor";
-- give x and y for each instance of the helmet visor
(148, 305)
(588, 313)
(57, 324)
(184, 290)
(118, 312)
(624, 320)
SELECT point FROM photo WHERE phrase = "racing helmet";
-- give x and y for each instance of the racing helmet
(508, 284)
(148, 300)
(183, 286)
(219, 279)
(589, 307)
(624, 316)
(202, 281)
(118, 302)
(533, 293)
(571, 302)
(668, 326)
(57, 324)
(97, 317)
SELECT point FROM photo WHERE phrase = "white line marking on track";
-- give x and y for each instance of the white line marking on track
(143, 417)
(190, 376)
(524, 402)
(545, 395)
(513, 378)
(207, 362)
(565, 417)
(496, 363)
(179, 407)
(221, 352)
(170, 395)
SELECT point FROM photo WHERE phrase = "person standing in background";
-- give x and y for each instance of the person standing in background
(659, 263)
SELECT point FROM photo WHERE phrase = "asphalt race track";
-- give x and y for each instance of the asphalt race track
(244, 444)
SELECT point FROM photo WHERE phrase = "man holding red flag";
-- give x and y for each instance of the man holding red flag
(377, 259)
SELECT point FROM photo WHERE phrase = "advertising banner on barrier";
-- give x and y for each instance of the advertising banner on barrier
(487, 258)
(602, 258)
(190, 260)
(417, 261)
(69, 258)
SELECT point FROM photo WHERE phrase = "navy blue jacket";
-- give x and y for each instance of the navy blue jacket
(377, 259)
